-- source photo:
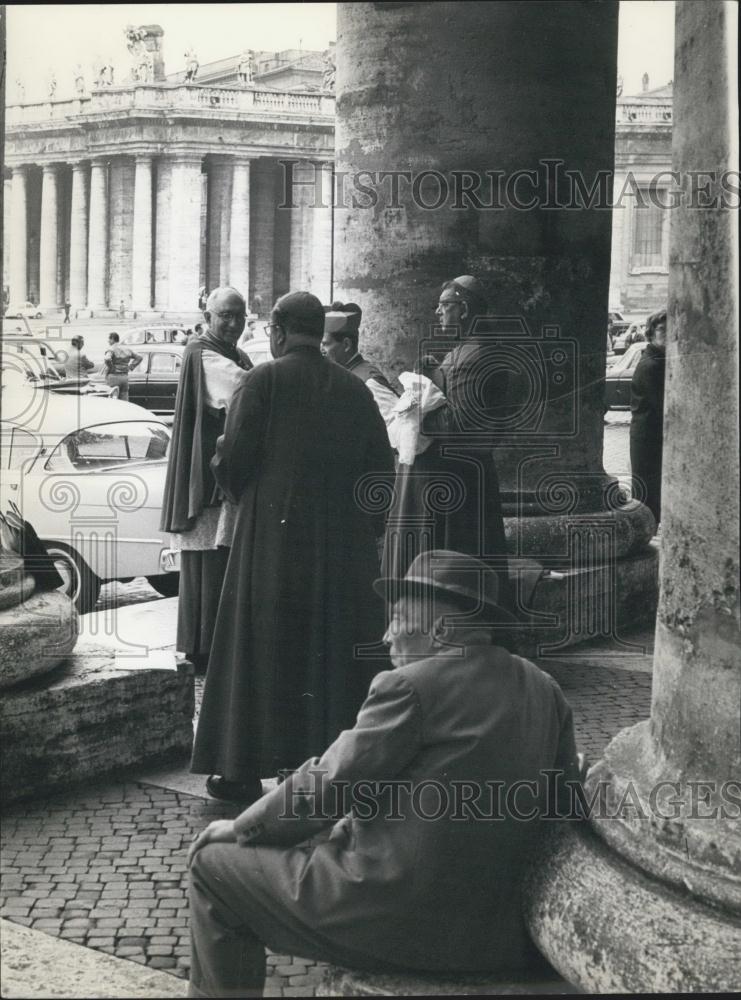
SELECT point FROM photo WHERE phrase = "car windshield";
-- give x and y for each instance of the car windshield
(110, 446)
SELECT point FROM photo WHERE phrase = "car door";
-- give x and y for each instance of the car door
(138, 380)
(162, 380)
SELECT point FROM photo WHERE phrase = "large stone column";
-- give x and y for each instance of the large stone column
(239, 238)
(163, 212)
(78, 238)
(668, 791)
(141, 266)
(97, 262)
(468, 140)
(219, 207)
(48, 241)
(185, 225)
(121, 196)
(17, 238)
(263, 202)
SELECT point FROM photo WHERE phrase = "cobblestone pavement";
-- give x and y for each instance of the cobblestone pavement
(105, 868)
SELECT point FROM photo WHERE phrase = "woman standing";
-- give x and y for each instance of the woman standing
(647, 415)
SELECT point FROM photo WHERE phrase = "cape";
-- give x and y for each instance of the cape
(190, 486)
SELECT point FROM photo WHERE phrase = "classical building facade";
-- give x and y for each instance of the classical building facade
(136, 197)
(639, 268)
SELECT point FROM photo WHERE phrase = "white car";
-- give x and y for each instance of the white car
(28, 311)
(88, 473)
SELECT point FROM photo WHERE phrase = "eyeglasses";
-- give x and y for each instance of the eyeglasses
(227, 316)
(447, 302)
(269, 327)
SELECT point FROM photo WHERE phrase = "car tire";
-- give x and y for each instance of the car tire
(81, 584)
(167, 584)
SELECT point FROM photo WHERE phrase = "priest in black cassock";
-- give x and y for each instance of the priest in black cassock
(288, 670)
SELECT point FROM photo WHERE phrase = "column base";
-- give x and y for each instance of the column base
(585, 603)
(680, 830)
(608, 928)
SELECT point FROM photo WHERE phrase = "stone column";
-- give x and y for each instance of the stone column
(185, 225)
(121, 195)
(667, 791)
(141, 265)
(48, 240)
(97, 267)
(417, 205)
(311, 228)
(320, 277)
(78, 237)
(263, 202)
(218, 205)
(163, 212)
(301, 226)
(17, 239)
(239, 240)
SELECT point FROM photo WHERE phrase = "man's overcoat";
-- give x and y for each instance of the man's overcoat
(434, 881)
(283, 677)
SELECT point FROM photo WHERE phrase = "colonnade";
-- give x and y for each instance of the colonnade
(145, 232)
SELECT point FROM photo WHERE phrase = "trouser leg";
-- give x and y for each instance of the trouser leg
(227, 957)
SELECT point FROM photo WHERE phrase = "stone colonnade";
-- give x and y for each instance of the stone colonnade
(149, 230)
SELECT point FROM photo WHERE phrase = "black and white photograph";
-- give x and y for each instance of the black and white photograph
(369, 499)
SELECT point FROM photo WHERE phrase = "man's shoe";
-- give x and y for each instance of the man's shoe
(233, 791)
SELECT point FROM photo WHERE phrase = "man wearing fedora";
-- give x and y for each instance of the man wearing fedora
(404, 846)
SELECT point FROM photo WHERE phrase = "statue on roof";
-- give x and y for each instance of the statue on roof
(52, 85)
(79, 81)
(191, 66)
(619, 92)
(246, 68)
(330, 69)
(20, 91)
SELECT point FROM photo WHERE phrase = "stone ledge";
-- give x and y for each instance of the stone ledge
(339, 982)
(37, 965)
(87, 719)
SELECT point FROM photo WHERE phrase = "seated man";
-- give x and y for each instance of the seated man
(449, 765)
(340, 344)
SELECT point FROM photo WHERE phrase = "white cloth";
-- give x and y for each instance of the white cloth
(215, 526)
(420, 397)
(386, 400)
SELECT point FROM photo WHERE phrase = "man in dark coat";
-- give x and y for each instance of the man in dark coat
(287, 670)
(450, 497)
(454, 758)
(647, 415)
(340, 344)
(193, 507)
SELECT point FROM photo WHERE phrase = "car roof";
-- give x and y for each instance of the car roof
(44, 412)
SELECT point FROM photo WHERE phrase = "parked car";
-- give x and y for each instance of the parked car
(89, 475)
(156, 335)
(634, 334)
(27, 310)
(619, 376)
(154, 384)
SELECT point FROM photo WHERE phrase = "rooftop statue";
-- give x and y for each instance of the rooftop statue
(246, 68)
(330, 70)
(191, 66)
(79, 81)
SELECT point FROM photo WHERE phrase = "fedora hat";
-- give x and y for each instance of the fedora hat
(461, 578)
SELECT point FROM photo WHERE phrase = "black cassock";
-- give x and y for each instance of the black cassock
(449, 498)
(647, 427)
(285, 677)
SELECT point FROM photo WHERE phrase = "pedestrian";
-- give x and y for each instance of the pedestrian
(118, 362)
(67, 307)
(77, 364)
(194, 509)
(121, 310)
(455, 757)
(302, 438)
(340, 344)
(475, 386)
(647, 415)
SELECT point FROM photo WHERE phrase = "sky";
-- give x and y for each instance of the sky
(55, 37)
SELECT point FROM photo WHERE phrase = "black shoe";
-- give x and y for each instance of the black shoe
(233, 791)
